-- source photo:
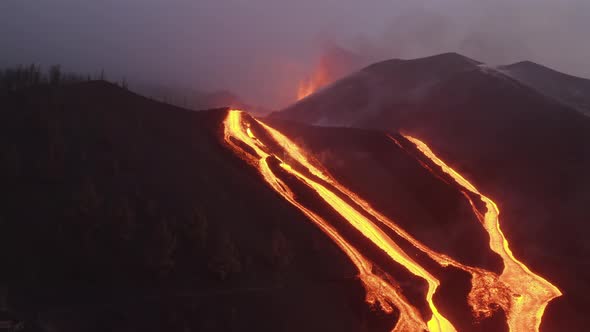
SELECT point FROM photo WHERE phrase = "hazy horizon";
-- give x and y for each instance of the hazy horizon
(261, 49)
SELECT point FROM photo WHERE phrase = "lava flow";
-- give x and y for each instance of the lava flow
(236, 128)
(521, 294)
(531, 292)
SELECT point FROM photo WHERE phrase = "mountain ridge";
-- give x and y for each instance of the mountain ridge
(568, 89)
(517, 144)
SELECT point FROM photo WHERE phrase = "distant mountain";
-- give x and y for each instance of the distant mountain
(571, 90)
(218, 99)
(195, 99)
(527, 150)
(339, 61)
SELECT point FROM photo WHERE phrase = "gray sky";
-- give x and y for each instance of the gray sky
(261, 49)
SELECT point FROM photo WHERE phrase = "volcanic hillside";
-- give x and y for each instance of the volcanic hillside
(571, 90)
(123, 213)
(527, 151)
(120, 212)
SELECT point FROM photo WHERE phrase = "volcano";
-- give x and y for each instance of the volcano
(528, 150)
(432, 194)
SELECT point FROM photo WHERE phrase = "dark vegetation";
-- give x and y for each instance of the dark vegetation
(20, 77)
(120, 213)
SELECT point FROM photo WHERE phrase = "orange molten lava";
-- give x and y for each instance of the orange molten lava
(377, 289)
(530, 292)
(319, 78)
(519, 292)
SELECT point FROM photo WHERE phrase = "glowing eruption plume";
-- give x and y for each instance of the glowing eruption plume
(319, 79)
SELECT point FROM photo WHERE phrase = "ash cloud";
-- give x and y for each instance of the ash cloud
(261, 49)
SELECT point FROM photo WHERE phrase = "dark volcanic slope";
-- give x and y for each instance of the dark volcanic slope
(391, 179)
(121, 213)
(429, 208)
(528, 152)
(571, 90)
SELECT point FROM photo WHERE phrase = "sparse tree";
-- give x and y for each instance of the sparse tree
(10, 163)
(55, 75)
(279, 249)
(197, 229)
(225, 261)
(163, 242)
(88, 198)
(35, 72)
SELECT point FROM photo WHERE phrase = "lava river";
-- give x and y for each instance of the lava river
(520, 293)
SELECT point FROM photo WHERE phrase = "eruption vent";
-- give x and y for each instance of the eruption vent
(520, 293)
(334, 63)
(317, 80)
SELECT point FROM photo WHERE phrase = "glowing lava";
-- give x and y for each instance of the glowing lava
(377, 289)
(530, 292)
(319, 78)
(521, 294)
